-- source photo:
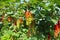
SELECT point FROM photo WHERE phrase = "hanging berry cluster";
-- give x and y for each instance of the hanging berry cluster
(28, 17)
(57, 29)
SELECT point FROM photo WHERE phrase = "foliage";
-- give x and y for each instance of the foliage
(14, 25)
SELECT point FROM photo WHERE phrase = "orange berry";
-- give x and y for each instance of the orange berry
(21, 20)
(28, 14)
(9, 18)
(56, 32)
